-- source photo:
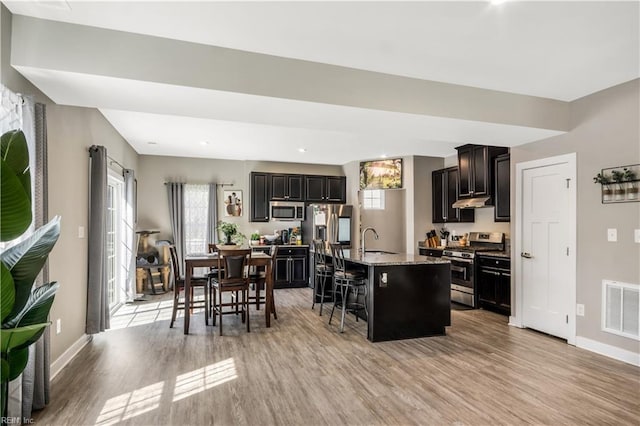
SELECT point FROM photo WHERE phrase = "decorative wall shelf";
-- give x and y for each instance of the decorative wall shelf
(621, 185)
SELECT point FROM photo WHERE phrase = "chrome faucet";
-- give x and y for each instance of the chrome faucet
(364, 231)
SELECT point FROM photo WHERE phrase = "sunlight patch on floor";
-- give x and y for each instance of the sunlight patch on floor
(137, 313)
(204, 378)
(130, 404)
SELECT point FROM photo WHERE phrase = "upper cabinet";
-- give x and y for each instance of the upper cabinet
(325, 189)
(475, 166)
(445, 189)
(502, 194)
(266, 187)
(259, 190)
(287, 187)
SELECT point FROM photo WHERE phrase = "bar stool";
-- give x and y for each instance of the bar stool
(344, 282)
(323, 270)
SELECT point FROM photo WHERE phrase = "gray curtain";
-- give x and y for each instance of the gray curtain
(212, 219)
(175, 194)
(130, 216)
(97, 300)
(35, 377)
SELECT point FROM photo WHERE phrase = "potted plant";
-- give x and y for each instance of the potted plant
(255, 238)
(24, 310)
(632, 183)
(232, 235)
(605, 181)
(618, 178)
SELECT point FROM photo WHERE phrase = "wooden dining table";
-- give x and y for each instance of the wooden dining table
(211, 260)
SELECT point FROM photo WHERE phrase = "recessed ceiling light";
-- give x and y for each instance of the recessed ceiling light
(302, 149)
(203, 143)
(152, 143)
(383, 156)
(497, 2)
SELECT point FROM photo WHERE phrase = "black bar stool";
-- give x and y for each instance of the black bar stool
(323, 270)
(344, 282)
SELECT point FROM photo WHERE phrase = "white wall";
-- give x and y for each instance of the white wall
(605, 133)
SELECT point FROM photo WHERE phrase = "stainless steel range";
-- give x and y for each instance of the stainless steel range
(463, 285)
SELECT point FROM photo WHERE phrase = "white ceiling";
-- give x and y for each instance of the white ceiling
(547, 49)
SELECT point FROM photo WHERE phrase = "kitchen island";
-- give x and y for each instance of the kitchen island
(409, 295)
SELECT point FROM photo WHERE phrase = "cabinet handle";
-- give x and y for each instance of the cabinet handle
(490, 272)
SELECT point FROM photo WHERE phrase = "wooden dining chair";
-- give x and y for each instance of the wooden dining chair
(178, 287)
(232, 278)
(259, 281)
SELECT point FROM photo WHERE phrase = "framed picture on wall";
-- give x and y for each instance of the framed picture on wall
(381, 174)
(233, 202)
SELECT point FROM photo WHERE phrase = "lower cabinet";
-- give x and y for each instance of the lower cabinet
(494, 284)
(290, 269)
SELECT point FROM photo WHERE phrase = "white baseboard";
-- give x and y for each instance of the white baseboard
(513, 321)
(67, 356)
(614, 352)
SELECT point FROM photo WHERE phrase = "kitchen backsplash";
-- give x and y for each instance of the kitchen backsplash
(484, 223)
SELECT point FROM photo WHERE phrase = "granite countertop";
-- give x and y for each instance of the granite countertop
(390, 259)
(501, 254)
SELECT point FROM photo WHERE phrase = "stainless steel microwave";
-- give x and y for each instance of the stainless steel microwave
(286, 210)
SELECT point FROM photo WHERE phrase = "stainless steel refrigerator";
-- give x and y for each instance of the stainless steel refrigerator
(332, 223)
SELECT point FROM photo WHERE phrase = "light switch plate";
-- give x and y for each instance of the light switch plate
(612, 235)
(580, 310)
(80, 231)
(636, 235)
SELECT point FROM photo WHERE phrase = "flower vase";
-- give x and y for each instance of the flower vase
(632, 191)
(607, 193)
(618, 193)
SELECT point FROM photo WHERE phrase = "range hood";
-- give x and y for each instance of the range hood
(471, 203)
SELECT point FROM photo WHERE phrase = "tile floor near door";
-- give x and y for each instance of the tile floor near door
(302, 372)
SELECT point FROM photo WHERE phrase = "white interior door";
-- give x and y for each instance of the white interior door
(547, 241)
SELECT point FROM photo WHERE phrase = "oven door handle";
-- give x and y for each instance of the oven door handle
(457, 259)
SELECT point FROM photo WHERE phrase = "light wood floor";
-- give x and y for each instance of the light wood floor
(302, 372)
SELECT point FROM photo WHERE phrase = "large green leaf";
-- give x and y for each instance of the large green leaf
(17, 361)
(15, 205)
(15, 186)
(17, 338)
(7, 292)
(26, 258)
(36, 310)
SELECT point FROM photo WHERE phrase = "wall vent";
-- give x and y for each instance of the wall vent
(621, 308)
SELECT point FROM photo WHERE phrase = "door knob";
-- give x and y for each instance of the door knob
(526, 255)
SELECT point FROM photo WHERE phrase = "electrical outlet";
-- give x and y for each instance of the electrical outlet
(80, 231)
(580, 310)
(612, 235)
(636, 235)
(58, 326)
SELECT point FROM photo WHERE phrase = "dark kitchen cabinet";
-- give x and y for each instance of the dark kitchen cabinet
(290, 268)
(444, 194)
(326, 189)
(259, 194)
(475, 166)
(502, 190)
(287, 187)
(494, 284)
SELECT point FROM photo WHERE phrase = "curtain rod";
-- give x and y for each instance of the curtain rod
(115, 162)
(217, 184)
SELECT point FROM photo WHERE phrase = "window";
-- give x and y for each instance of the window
(116, 277)
(196, 208)
(373, 199)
